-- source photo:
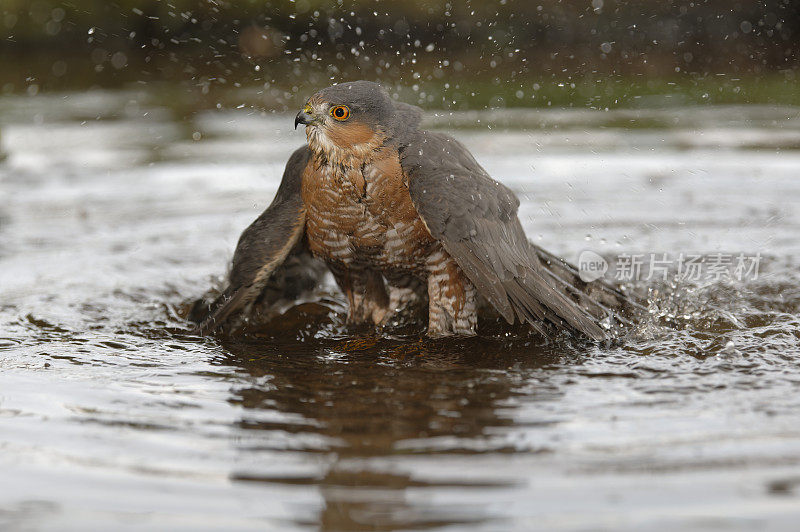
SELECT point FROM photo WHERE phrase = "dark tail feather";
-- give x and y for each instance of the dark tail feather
(219, 311)
(558, 301)
(600, 296)
(589, 307)
(299, 274)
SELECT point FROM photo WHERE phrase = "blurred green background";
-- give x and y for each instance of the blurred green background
(451, 55)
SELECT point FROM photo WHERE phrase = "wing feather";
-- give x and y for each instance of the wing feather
(263, 246)
(475, 219)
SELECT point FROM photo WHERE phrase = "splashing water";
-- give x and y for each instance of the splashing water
(108, 409)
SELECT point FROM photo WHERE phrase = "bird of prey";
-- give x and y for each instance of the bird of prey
(398, 213)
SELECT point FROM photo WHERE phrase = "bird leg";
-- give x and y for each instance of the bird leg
(366, 294)
(406, 295)
(452, 307)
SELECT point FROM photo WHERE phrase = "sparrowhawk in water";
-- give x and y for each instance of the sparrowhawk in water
(398, 213)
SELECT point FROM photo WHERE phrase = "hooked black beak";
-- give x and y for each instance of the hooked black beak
(302, 118)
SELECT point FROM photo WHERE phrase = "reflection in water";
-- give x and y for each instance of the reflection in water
(357, 401)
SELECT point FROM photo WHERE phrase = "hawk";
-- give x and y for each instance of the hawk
(398, 213)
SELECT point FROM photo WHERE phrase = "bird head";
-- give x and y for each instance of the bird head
(348, 120)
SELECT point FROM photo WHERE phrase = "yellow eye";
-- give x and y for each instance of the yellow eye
(340, 112)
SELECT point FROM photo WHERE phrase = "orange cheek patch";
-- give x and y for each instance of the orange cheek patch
(350, 133)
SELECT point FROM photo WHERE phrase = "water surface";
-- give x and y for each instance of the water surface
(117, 212)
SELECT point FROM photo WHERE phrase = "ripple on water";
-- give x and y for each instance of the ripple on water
(109, 408)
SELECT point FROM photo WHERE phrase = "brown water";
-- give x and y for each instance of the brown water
(113, 417)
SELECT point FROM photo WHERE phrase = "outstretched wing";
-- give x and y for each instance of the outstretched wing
(263, 246)
(475, 219)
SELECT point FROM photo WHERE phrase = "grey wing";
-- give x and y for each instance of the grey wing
(406, 120)
(263, 246)
(475, 219)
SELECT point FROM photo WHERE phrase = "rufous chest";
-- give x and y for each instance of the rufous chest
(363, 215)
